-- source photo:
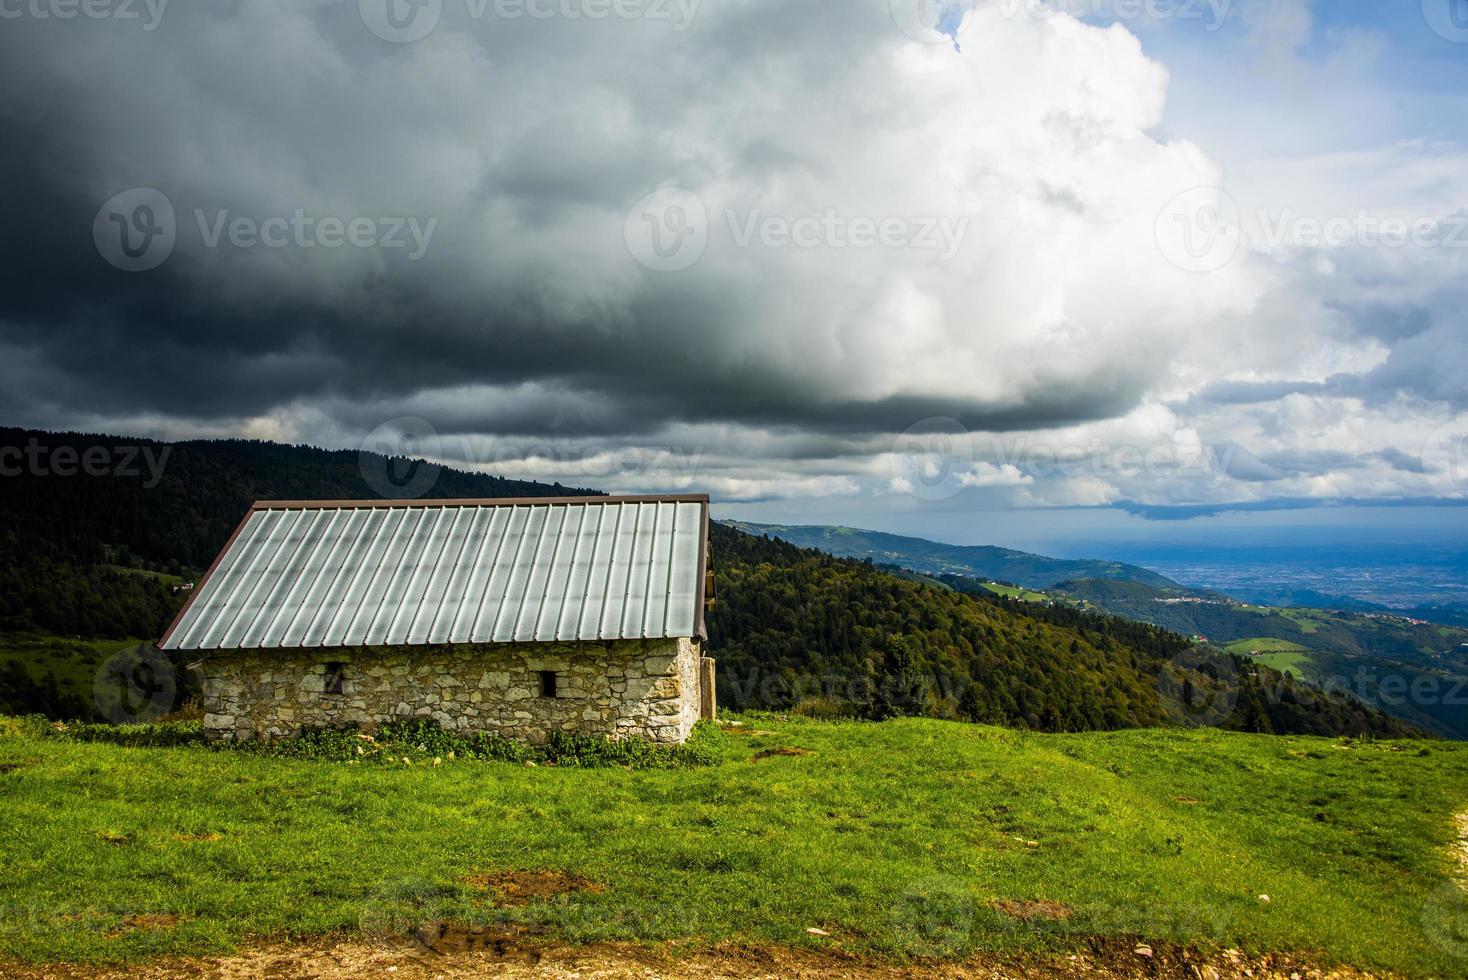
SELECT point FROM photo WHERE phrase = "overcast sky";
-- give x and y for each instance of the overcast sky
(864, 256)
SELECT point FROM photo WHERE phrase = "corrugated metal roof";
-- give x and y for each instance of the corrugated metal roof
(304, 574)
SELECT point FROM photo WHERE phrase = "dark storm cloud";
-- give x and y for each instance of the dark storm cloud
(207, 337)
(522, 145)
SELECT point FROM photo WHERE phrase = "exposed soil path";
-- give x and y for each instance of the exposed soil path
(486, 954)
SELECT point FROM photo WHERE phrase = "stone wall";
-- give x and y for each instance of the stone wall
(644, 688)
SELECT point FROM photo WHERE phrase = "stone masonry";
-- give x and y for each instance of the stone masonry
(619, 689)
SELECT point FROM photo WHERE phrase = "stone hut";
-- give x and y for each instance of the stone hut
(521, 617)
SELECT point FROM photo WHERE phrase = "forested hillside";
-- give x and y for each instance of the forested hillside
(72, 544)
(86, 557)
(802, 629)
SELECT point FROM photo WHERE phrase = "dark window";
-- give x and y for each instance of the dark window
(547, 683)
(336, 678)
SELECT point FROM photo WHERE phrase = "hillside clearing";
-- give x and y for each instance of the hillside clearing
(896, 842)
(1265, 644)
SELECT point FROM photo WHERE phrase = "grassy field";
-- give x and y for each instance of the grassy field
(74, 661)
(1309, 620)
(1294, 662)
(1264, 644)
(163, 577)
(897, 840)
(1281, 655)
(1011, 592)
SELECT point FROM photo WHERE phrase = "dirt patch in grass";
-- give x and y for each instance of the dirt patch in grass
(1027, 911)
(771, 753)
(1187, 800)
(9, 767)
(517, 957)
(513, 888)
(500, 941)
(144, 923)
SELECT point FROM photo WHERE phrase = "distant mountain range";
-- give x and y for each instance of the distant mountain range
(933, 558)
(1375, 652)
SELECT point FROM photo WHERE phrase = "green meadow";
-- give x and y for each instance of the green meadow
(909, 839)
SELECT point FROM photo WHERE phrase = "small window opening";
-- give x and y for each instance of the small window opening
(336, 678)
(547, 683)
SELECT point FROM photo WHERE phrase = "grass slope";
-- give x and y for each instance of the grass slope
(53, 674)
(895, 838)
